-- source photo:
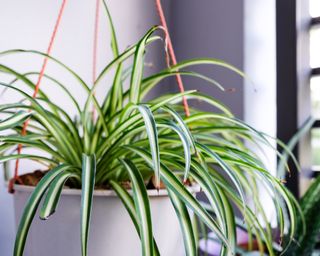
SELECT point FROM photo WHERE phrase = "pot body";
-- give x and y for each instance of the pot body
(111, 231)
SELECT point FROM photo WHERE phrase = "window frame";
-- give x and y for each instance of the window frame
(293, 25)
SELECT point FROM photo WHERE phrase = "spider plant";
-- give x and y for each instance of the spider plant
(133, 139)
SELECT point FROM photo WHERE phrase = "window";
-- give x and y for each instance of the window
(314, 11)
(298, 83)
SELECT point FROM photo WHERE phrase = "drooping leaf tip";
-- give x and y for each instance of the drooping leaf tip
(283, 181)
(231, 90)
(11, 186)
(46, 217)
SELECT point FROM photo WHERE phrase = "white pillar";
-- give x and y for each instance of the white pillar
(260, 66)
(260, 109)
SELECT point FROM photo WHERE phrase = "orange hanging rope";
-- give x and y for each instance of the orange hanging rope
(95, 42)
(171, 53)
(36, 90)
(95, 49)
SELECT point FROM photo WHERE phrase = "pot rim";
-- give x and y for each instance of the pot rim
(105, 193)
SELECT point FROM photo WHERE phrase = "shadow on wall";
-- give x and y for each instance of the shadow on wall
(213, 29)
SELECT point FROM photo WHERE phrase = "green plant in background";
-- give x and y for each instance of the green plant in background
(308, 223)
(310, 205)
(135, 140)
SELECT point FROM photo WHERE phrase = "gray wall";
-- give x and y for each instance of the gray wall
(211, 28)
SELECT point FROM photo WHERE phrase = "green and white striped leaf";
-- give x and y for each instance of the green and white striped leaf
(128, 202)
(14, 120)
(185, 224)
(226, 168)
(150, 82)
(151, 128)
(142, 206)
(183, 126)
(185, 144)
(35, 158)
(138, 67)
(177, 187)
(31, 208)
(88, 181)
(53, 195)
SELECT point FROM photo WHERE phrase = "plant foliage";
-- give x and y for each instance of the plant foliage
(308, 223)
(305, 242)
(134, 139)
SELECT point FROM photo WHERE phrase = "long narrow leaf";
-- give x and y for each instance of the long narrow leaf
(128, 202)
(177, 187)
(182, 125)
(138, 66)
(185, 224)
(14, 120)
(28, 156)
(151, 128)
(185, 144)
(51, 200)
(142, 206)
(31, 208)
(88, 181)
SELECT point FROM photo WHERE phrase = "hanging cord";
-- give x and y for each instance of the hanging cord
(95, 42)
(172, 54)
(36, 90)
(95, 51)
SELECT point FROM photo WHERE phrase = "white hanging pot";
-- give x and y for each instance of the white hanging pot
(111, 232)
